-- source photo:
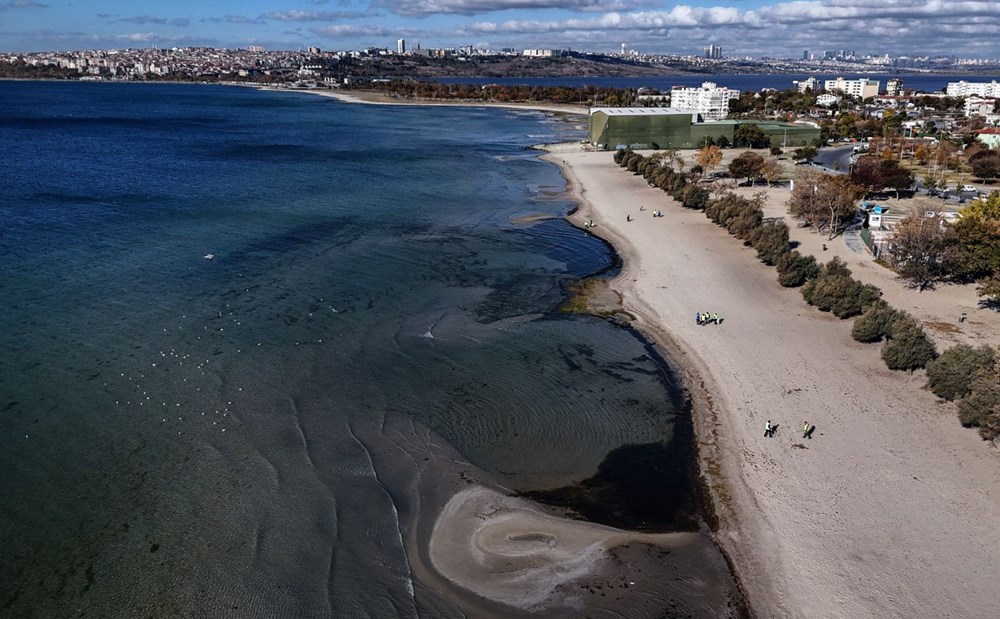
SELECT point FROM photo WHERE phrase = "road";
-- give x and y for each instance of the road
(836, 159)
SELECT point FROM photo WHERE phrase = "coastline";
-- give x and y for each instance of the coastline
(373, 98)
(849, 524)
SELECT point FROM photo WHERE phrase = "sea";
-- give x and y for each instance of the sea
(223, 309)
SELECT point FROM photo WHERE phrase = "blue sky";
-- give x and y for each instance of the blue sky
(740, 27)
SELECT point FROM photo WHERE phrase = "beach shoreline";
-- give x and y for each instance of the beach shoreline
(805, 523)
(364, 97)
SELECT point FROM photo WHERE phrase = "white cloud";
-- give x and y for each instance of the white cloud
(422, 8)
(313, 15)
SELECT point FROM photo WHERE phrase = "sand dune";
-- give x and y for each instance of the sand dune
(892, 509)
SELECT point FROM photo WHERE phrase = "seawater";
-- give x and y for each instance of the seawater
(184, 436)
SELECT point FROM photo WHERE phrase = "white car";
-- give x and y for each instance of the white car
(966, 188)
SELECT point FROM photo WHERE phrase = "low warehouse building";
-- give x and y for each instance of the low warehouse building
(658, 127)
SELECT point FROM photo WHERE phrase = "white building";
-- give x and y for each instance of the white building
(711, 101)
(400, 46)
(540, 53)
(862, 88)
(810, 84)
(827, 100)
(894, 87)
(967, 89)
(978, 106)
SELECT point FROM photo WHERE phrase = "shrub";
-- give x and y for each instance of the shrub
(794, 269)
(744, 222)
(982, 407)
(841, 295)
(875, 324)
(909, 348)
(950, 376)
(695, 197)
(771, 241)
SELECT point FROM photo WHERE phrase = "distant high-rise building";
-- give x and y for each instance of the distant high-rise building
(314, 50)
(713, 51)
(624, 48)
(400, 46)
(894, 87)
(257, 48)
(805, 55)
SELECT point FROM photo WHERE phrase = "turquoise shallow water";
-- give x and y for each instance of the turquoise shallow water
(186, 437)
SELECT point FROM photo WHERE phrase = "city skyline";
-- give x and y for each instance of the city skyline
(741, 28)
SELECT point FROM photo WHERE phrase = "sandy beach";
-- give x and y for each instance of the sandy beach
(375, 98)
(892, 508)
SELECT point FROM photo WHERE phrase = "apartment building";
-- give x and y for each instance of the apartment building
(863, 88)
(710, 100)
(967, 89)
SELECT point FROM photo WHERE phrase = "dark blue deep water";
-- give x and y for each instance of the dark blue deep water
(190, 437)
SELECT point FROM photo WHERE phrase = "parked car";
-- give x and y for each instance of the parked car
(967, 188)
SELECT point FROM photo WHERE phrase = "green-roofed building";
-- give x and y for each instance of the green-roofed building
(614, 128)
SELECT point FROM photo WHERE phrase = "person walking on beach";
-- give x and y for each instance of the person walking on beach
(715, 317)
(768, 430)
(806, 430)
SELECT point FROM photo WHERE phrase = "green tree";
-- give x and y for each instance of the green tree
(910, 348)
(749, 135)
(875, 324)
(805, 152)
(794, 269)
(987, 168)
(770, 240)
(748, 165)
(981, 407)
(950, 376)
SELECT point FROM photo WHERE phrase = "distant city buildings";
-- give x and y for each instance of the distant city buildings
(894, 87)
(256, 48)
(713, 51)
(862, 88)
(400, 46)
(966, 89)
(711, 101)
(805, 55)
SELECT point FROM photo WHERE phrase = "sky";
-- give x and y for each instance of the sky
(741, 27)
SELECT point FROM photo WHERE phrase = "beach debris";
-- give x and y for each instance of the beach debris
(209, 256)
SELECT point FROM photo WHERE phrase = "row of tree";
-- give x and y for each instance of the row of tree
(831, 288)
(584, 95)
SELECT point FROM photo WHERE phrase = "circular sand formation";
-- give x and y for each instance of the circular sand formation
(506, 550)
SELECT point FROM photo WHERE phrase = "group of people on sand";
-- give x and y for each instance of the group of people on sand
(656, 213)
(705, 318)
(807, 429)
